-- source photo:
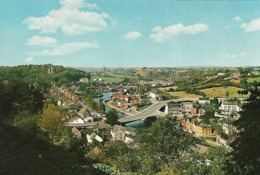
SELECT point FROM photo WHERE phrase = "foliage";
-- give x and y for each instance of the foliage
(19, 96)
(90, 102)
(101, 108)
(245, 157)
(210, 163)
(52, 122)
(41, 74)
(123, 157)
(112, 117)
(26, 153)
(209, 114)
(165, 143)
(26, 121)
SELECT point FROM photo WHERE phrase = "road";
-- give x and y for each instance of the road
(152, 110)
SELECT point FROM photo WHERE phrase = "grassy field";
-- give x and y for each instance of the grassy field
(112, 80)
(237, 82)
(251, 80)
(183, 94)
(222, 91)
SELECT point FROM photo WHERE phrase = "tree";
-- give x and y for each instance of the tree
(101, 107)
(245, 157)
(112, 117)
(209, 114)
(210, 163)
(19, 96)
(52, 122)
(119, 154)
(165, 144)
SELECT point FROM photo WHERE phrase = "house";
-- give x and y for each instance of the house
(104, 129)
(155, 95)
(83, 80)
(206, 130)
(75, 120)
(94, 136)
(121, 97)
(204, 101)
(220, 74)
(118, 133)
(229, 107)
(122, 133)
(187, 107)
(203, 131)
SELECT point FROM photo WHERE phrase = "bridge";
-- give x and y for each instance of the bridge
(81, 125)
(153, 110)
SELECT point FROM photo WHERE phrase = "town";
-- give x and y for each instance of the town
(106, 107)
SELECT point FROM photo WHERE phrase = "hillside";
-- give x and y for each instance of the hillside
(41, 75)
(25, 154)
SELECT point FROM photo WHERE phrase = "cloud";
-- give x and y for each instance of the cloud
(41, 41)
(237, 19)
(92, 6)
(239, 55)
(68, 48)
(132, 35)
(71, 20)
(160, 34)
(72, 4)
(29, 59)
(253, 25)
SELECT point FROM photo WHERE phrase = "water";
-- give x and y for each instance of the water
(135, 124)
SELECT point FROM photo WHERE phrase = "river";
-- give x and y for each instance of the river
(135, 124)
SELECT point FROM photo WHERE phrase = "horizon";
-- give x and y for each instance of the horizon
(119, 34)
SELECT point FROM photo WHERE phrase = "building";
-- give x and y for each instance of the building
(122, 133)
(94, 136)
(155, 95)
(229, 107)
(175, 108)
(204, 101)
(187, 108)
(203, 131)
(75, 120)
(83, 80)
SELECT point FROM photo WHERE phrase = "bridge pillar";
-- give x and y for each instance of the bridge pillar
(166, 109)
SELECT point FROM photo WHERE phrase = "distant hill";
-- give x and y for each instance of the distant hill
(41, 75)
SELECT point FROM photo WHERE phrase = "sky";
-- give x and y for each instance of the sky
(134, 33)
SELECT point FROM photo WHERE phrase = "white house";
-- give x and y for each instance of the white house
(122, 133)
(118, 133)
(228, 107)
(93, 137)
(75, 120)
(204, 101)
(154, 94)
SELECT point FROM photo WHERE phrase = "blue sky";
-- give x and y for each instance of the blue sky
(136, 33)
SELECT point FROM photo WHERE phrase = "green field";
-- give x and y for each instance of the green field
(251, 80)
(222, 91)
(112, 79)
(183, 94)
